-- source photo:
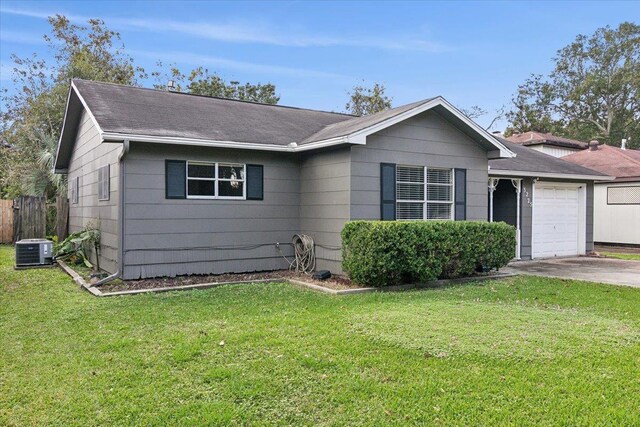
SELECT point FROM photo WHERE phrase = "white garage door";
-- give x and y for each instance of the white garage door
(558, 219)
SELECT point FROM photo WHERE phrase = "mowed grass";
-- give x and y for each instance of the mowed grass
(619, 255)
(521, 351)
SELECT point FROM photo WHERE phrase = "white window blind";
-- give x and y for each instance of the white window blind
(424, 193)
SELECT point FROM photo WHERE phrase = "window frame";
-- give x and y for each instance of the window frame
(425, 200)
(216, 180)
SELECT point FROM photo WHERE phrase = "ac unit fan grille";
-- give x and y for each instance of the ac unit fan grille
(27, 254)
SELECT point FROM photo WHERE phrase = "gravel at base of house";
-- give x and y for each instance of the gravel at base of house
(336, 282)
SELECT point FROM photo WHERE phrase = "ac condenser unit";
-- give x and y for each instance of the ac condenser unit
(30, 252)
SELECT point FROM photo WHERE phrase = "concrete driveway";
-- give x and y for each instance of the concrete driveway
(604, 270)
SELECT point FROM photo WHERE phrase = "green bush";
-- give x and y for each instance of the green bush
(383, 253)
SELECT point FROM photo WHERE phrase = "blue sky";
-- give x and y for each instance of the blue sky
(472, 53)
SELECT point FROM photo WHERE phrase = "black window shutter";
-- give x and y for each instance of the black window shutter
(175, 179)
(387, 191)
(461, 194)
(255, 182)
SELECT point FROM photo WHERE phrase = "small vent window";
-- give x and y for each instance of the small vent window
(103, 183)
(74, 190)
(628, 195)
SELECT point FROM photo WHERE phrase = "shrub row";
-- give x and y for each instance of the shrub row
(384, 253)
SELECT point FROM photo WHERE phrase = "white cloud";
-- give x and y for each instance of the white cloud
(253, 32)
(225, 63)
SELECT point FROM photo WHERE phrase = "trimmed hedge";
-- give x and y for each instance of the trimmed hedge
(384, 253)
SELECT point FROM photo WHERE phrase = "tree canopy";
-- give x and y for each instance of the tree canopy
(593, 91)
(368, 100)
(202, 82)
(32, 113)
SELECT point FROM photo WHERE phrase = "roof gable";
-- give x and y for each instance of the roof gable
(356, 129)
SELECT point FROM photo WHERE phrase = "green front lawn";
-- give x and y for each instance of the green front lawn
(619, 255)
(522, 351)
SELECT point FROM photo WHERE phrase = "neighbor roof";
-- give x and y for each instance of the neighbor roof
(529, 162)
(137, 114)
(614, 161)
(538, 138)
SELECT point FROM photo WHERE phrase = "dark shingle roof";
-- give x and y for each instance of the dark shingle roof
(132, 110)
(126, 112)
(530, 160)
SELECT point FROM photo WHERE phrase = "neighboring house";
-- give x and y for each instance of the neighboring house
(617, 203)
(547, 143)
(186, 184)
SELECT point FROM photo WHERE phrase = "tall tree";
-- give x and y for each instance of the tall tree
(592, 92)
(201, 82)
(368, 100)
(32, 114)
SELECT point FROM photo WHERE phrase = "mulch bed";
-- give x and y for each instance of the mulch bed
(336, 282)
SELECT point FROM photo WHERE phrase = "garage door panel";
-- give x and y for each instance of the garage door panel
(556, 221)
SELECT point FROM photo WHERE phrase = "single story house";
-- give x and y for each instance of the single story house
(548, 143)
(187, 184)
(617, 203)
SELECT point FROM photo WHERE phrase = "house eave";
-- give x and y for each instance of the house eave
(290, 148)
(504, 172)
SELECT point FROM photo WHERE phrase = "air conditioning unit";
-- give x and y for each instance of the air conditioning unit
(31, 252)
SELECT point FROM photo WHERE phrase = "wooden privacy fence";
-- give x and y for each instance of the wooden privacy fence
(6, 221)
(30, 217)
(26, 218)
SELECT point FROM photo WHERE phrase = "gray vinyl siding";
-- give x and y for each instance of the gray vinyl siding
(325, 203)
(89, 154)
(169, 237)
(424, 140)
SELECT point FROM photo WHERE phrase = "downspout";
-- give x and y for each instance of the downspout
(121, 186)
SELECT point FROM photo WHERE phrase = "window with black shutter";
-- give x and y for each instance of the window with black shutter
(461, 194)
(255, 182)
(175, 179)
(213, 180)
